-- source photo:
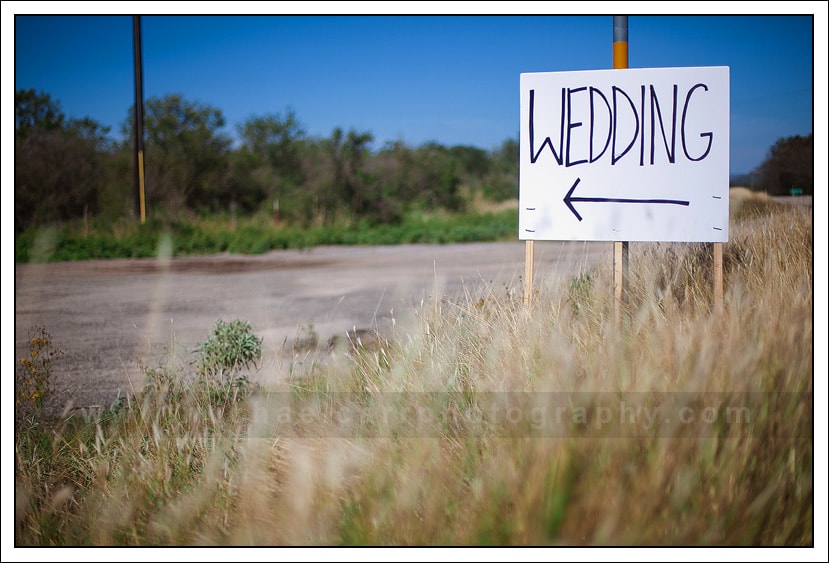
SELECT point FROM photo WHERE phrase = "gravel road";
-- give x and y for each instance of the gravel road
(112, 317)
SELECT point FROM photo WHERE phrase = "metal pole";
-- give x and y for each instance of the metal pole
(621, 250)
(139, 120)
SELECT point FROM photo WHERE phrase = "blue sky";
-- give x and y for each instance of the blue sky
(444, 78)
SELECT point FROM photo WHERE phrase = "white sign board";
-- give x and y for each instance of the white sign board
(625, 155)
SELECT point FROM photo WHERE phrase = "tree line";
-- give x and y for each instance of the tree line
(67, 169)
(789, 167)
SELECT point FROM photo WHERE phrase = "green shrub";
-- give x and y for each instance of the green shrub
(230, 348)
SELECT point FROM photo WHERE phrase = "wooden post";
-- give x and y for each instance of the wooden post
(528, 273)
(718, 278)
(620, 249)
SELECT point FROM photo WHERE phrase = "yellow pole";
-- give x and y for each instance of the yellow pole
(621, 250)
(141, 185)
(620, 54)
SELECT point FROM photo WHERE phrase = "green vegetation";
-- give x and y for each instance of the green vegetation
(789, 167)
(75, 194)
(230, 348)
(254, 235)
(71, 172)
(478, 422)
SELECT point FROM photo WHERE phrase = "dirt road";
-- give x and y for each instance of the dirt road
(112, 317)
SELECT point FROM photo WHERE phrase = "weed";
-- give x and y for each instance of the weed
(230, 348)
(32, 377)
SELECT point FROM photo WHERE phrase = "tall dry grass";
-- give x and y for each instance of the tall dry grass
(479, 421)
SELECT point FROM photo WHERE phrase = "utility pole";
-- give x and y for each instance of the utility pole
(140, 209)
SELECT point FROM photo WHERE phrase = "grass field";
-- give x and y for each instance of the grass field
(480, 422)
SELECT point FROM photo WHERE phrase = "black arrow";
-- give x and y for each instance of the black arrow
(569, 199)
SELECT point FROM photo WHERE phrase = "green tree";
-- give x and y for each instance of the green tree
(501, 181)
(268, 164)
(789, 166)
(474, 163)
(428, 177)
(350, 182)
(61, 165)
(394, 170)
(186, 154)
(275, 141)
(36, 111)
(437, 181)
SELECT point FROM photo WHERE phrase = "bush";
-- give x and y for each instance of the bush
(230, 348)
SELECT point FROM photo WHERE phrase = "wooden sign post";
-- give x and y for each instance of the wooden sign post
(718, 278)
(528, 273)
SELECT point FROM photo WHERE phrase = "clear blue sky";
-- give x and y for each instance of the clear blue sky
(449, 79)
